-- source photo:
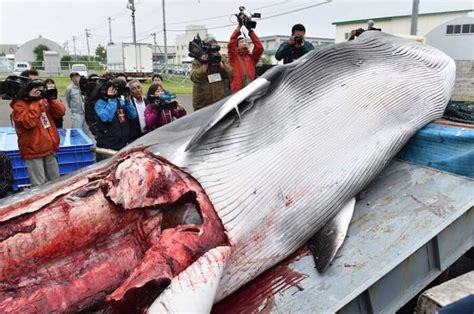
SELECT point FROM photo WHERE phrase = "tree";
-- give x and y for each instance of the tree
(38, 51)
(66, 58)
(266, 59)
(101, 52)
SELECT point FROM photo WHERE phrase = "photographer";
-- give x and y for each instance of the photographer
(114, 110)
(38, 138)
(90, 88)
(295, 47)
(241, 60)
(209, 72)
(50, 85)
(161, 108)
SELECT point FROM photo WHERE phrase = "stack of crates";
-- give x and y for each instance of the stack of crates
(75, 152)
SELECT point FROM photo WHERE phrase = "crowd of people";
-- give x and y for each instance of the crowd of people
(114, 112)
(213, 81)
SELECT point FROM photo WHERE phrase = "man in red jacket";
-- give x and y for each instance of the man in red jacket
(241, 60)
(38, 138)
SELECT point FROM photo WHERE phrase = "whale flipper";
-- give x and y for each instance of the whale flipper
(325, 243)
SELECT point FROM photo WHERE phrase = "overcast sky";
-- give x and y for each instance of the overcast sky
(60, 20)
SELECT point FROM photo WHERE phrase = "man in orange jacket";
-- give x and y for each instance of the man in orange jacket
(241, 60)
(38, 138)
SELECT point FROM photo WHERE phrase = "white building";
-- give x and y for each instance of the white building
(8, 49)
(398, 24)
(182, 41)
(455, 38)
(25, 51)
(159, 54)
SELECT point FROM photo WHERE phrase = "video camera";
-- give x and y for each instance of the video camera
(163, 102)
(88, 85)
(206, 52)
(94, 88)
(19, 87)
(245, 17)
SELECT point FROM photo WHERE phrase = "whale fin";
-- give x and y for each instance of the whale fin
(255, 88)
(194, 289)
(325, 243)
(251, 92)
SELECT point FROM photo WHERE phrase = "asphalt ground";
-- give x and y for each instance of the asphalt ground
(185, 100)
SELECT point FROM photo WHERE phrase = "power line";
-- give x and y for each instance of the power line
(215, 17)
(209, 18)
(296, 10)
(264, 18)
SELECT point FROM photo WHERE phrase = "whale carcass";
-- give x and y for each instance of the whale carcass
(195, 209)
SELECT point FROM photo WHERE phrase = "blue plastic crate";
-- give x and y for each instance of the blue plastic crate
(75, 152)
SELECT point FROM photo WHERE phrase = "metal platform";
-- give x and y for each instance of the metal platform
(409, 226)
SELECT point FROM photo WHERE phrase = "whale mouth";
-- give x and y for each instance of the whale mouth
(117, 241)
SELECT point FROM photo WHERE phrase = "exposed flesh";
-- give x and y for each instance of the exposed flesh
(129, 231)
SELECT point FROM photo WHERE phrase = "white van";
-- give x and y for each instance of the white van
(80, 68)
(19, 67)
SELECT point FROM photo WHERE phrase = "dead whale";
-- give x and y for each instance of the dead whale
(196, 209)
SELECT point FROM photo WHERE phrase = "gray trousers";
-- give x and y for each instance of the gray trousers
(42, 170)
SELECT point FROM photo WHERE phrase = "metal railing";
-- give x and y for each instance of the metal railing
(66, 65)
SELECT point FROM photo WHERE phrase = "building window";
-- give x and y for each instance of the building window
(460, 29)
(346, 36)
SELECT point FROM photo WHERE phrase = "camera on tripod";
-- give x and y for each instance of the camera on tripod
(205, 51)
(245, 18)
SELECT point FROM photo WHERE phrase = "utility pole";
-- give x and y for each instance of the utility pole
(414, 17)
(154, 40)
(164, 34)
(131, 6)
(110, 31)
(74, 42)
(88, 33)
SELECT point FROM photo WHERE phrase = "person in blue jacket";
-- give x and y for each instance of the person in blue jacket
(295, 47)
(115, 112)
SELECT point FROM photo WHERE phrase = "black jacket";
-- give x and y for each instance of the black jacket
(6, 175)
